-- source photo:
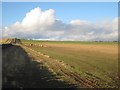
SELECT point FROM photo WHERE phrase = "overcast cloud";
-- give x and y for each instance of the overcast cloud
(38, 24)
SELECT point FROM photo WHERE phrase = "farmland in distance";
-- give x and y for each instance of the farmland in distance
(51, 64)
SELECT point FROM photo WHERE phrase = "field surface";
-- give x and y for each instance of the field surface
(50, 64)
(95, 62)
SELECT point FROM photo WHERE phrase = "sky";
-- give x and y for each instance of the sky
(60, 0)
(91, 11)
(84, 19)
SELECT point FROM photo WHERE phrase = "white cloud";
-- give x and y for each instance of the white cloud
(38, 24)
(79, 22)
(36, 17)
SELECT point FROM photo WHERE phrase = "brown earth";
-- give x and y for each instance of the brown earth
(20, 71)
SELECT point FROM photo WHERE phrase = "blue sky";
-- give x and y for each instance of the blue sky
(81, 21)
(90, 11)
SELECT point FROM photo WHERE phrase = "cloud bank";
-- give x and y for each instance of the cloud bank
(38, 24)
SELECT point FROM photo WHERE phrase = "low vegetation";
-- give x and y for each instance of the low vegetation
(69, 63)
(94, 62)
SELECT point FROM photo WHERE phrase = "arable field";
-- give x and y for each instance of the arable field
(95, 64)
(71, 64)
(19, 70)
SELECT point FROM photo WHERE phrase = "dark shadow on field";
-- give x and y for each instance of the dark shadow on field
(19, 71)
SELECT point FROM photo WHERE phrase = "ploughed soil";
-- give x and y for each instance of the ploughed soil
(20, 71)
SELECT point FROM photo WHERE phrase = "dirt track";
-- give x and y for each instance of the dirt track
(62, 69)
(20, 71)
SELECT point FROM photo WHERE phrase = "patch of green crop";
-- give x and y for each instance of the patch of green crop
(70, 42)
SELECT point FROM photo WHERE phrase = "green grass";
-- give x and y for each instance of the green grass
(69, 42)
(92, 60)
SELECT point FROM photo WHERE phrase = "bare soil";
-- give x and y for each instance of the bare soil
(20, 71)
